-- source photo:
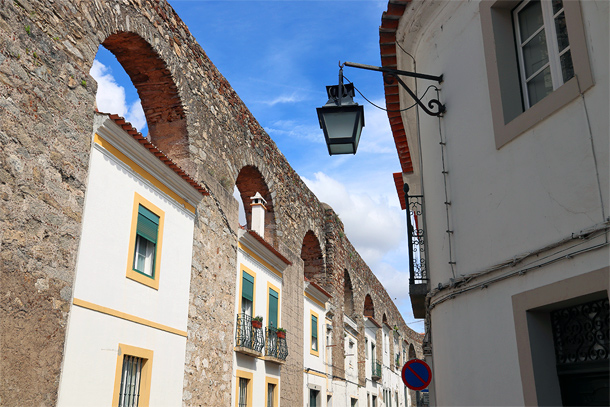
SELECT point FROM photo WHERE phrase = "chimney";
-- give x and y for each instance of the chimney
(258, 214)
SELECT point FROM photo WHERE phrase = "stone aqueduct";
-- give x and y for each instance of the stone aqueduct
(46, 114)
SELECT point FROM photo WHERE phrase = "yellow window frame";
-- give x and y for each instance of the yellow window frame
(276, 392)
(311, 349)
(145, 373)
(152, 282)
(246, 375)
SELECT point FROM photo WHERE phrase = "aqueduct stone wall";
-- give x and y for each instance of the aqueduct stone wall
(46, 114)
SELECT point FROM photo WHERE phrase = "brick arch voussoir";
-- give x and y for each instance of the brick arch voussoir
(249, 181)
(156, 85)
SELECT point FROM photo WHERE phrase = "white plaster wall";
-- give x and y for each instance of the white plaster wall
(309, 360)
(533, 191)
(257, 366)
(104, 248)
(90, 360)
(539, 188)
(475, 349)
(309, 381)
(351, 357)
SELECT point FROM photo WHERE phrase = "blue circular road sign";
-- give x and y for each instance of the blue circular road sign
(416, 374)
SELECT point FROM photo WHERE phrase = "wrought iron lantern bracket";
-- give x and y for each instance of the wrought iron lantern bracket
(394, 74)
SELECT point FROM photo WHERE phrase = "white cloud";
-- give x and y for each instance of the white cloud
(284, 99)
(373, 227)
(289, 128)
(110, 97)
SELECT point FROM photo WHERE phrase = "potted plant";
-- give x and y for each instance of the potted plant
(257, 322)
(281, 333)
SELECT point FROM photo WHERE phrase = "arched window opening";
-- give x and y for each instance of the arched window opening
(311, 254)
(159, 108)
(385, 319)
(369, 308)
(248, 183)
(412, 352)
(348, 294)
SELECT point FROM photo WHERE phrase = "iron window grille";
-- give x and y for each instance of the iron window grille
(131, 377)
(417, 239)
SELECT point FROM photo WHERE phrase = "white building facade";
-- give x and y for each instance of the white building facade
(127, 328)
(510, 191)
(260, 342)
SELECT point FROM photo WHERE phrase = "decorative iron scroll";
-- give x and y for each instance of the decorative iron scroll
(247, 336)
(580, 333)
(419, 272)
(274, 345)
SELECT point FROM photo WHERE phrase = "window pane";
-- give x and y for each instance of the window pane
(567, 69)
(144, 257)
(535, 54)
(540, 86)
(562, 32)
(243, 395)
(530, 19)
(557, 5)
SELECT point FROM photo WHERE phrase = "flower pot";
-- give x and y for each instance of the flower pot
(281, 335)
(257, 324)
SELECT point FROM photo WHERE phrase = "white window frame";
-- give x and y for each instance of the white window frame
(554, 55)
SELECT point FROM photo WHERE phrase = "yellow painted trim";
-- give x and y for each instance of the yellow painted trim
(276, 391)
(243, 268)
(314, 300)
(131, 273)
(311, 349)
(279, 297)
(143, 173)
(145, 374)
(263, 262)
(315, 373)
(250, 377)
(131, 318)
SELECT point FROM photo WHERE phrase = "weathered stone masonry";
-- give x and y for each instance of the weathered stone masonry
(46, 114)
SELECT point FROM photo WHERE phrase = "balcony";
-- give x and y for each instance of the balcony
(249, 339)
(376, 373)
(276, 347)
(418, 273)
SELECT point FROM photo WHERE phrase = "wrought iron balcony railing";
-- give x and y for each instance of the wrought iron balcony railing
(376, 373)
(247, 336)
(416, 239)
(275, 344)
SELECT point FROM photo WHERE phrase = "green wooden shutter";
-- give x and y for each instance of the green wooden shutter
(273, 311)
(148, 224)
(247, 289)
(314, 327)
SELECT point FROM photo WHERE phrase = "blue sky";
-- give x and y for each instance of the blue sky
(279, 56)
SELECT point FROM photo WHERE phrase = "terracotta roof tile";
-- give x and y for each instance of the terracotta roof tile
(133, 132)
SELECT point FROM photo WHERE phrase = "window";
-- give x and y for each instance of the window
(132, 377)
(247, 293)
(314, 334)
(354, 402)
(244, 389)
(374, 403)
(561, 331)
(272, 395)
(543, 48)
(366, 347)
(273, 306)
(313, 398)
(145, 242)
(537, 61)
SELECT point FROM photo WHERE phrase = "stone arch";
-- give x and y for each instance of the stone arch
(412, 354)
(157, 90)
(311, 254)
(384, 319)
(250, 181)
(348, 294)
(369, 307)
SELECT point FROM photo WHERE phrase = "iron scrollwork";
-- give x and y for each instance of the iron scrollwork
(416, 237)
(247, 336)
(389, 78)
(275, 345)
